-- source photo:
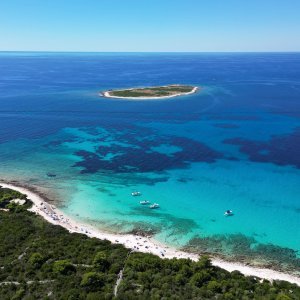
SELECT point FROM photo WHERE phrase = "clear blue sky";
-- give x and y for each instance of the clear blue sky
(150, 25)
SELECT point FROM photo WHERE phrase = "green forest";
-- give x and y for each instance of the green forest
(39, 260)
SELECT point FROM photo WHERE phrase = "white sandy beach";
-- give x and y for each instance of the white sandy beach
(107, 95)
(138, 243)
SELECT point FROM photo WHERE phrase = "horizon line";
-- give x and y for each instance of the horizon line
(73, 51)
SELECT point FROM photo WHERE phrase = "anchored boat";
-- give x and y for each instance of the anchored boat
(136, 193)
(144, 202)
(228, 213)
(154, 205)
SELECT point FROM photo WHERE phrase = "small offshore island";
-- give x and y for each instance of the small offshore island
(156, 92)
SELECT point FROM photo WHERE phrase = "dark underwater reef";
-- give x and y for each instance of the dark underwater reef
(238, 247)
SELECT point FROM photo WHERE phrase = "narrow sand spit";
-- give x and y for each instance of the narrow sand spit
(136, 242)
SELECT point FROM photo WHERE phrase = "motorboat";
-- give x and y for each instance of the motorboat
(154, 205)
(136, 193)
(228, 213)
(144, 202)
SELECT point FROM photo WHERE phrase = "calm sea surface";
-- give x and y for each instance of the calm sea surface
(234, 145)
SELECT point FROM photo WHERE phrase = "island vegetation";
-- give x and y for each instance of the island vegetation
(152, 92)
(39, 260)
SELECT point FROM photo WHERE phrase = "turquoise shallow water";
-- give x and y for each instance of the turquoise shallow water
(235, 145)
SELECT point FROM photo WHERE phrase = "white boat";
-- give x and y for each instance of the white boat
(136, 193)
(154, 205)
(144, 202)
(228, 213)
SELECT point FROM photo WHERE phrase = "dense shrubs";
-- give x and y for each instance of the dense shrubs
(50, 263)
(92, 280)
(63, 267)
(100, 261)
(36, 260)
(149, 277)
(7, 194)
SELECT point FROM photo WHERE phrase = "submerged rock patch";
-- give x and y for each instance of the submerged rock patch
(280, 150)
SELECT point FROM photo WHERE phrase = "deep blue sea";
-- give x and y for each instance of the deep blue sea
(233, 145)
